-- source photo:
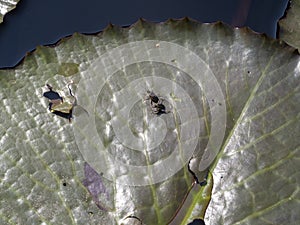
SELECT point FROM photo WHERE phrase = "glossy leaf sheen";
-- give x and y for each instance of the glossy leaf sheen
(256, 173)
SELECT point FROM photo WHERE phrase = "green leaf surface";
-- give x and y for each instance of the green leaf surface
(289, 26)
(44, 175)
(6, 6)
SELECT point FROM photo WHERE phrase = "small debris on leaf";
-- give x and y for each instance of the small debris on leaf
(93, 182)
(132, 220)
(57, 105)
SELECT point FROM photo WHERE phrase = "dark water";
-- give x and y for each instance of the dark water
(36, 22)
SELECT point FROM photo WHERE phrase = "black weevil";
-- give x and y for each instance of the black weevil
(152, 97)
(156, 103)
